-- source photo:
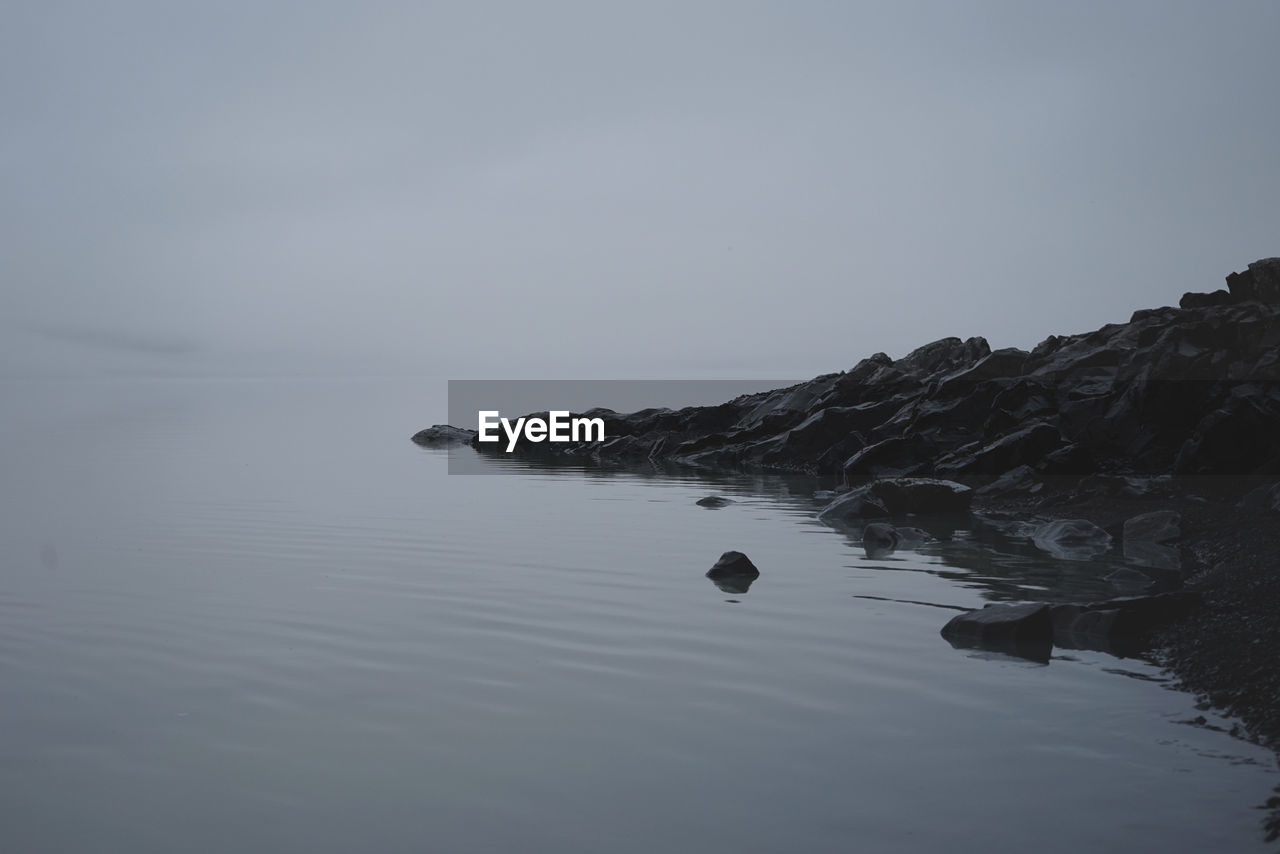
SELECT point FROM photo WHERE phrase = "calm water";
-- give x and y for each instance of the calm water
(252, 616)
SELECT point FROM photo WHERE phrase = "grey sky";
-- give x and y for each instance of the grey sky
(595, 189)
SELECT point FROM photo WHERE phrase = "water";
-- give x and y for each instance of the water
(251, 616)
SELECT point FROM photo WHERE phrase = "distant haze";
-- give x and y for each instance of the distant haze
(657, 189)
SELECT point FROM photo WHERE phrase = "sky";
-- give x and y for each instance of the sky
(605, 189)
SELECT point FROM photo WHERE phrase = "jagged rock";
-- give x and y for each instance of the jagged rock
(443, 436)
(1072, 539)
(854, 505)
(1194, 300)
(1020, 479)
(714, 501)
(1185, 390)
(921, 495)
(1155, 527)
(1022, 447)
(1261, 282)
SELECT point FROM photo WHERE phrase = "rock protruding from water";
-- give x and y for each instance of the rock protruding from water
(1072, 539)
(898, 497)
(734, 569)
(881, 539)
(714, 502)
(443, 436)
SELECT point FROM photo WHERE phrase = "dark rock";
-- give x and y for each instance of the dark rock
(1003, 624)
(854, 505)
(1027, 446)
(879, 539)
(1263, 498)
(733, 565)
(1194, 300)
(443, 436)
(1072, 539)
(1020, 479)
(1261, 282)
(1155, 527)
(714, 501)
(921, 495)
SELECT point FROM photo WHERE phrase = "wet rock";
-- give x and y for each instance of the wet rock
(443, 436)
(921, 495)
(879, 538)
(735, 570)
(1072, 539)
(1003, 624)
(912, 538)
(854, 505)
(714, 501)
(1157, 527)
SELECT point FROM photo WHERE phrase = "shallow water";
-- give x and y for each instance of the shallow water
(252, 616)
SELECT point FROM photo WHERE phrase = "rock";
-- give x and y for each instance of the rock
(1028, 445)
(1072, 539)
(1020, 479)
(921, 495)
(443, 436)
(714, 501)
(1130, 579)
(1192, 390)
(1263, 498)
(1261, 282)
(854, 505)
(1022, 630)
(912, 538)
(1218, 297)
(1157, 527)
(879, 539)
(734, 568)
(1152, 555)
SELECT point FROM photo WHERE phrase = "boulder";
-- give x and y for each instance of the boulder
(1194, 300)
(854, 505)
(1072, 539)
(733, 572)
(1022, 630)
(921, 495)
(1157, 527)
(879, 538)
(1261, 282)
(443, 436)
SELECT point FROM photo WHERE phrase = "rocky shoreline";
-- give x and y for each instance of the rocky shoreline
(1176, 411)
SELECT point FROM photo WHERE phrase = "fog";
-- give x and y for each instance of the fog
(659, 189)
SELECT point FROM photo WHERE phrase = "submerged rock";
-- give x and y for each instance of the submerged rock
(1072, 539)
(714, 501)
